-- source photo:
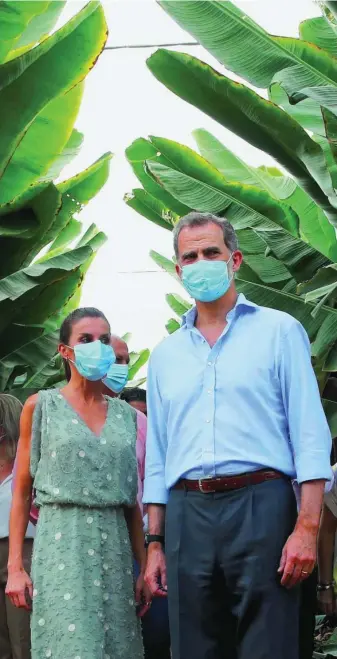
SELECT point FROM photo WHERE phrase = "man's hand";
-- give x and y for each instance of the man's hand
(155, 574)
(298, 556)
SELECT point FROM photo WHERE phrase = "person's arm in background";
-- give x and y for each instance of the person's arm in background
(311, 445)
(155, 492)
(141, 453)
(34, 513)
(18, 580)
(326, 550)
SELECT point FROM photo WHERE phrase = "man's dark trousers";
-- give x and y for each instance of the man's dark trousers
(223, 552)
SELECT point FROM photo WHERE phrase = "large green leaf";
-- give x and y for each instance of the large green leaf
(137, 153)
(77, 192)
(244, 207)
(178, 304)
(235, 169)
(15, 16)
(70, 151)
(185, 160)
(13, 286)
(172, 325)
(36, 353)
(51, 130)
(17, 253)
(139, 360)
(251, 117)
(307, 113)
(319, 32)
(231, 37)
(62, 61)
(325, 321)
(164, 263)
(38, 28)
(151, 208)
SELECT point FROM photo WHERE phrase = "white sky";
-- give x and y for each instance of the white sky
(122, 102)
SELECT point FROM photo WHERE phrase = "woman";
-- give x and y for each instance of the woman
(79, 449)
(14, 623)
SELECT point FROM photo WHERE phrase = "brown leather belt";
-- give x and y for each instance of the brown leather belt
(226, 483)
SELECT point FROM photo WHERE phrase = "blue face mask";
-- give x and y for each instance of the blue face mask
(206, 281)
(117, 377)
(93, 360)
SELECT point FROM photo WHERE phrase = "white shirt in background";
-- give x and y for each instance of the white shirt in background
(5, 507)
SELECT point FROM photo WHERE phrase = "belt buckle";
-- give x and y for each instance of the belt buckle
(200, 483)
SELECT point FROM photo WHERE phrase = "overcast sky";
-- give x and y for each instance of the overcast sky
(122, 102)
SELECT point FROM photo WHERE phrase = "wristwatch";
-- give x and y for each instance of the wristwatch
(153, 538)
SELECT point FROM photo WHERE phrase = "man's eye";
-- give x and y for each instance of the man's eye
(105, 340)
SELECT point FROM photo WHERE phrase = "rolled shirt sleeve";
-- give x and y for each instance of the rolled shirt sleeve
(309, 432)
(155, 490)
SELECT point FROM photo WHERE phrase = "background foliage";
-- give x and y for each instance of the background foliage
(44, 251)
(285, 218)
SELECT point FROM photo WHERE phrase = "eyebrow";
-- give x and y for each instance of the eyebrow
(207, 250)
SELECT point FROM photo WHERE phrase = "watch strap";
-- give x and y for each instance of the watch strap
(150, 537)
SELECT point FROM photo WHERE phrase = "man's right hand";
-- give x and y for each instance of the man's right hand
(155, 574)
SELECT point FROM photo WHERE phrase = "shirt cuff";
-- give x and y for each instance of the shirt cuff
(311, 470)
(155, 491)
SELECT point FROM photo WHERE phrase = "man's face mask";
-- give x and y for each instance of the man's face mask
(207, 281)
(117, 377)
(93, 360)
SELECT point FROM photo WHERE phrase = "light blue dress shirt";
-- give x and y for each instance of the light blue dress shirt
(249, 402)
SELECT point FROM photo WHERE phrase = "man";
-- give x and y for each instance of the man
(233, 415)
(136, 397)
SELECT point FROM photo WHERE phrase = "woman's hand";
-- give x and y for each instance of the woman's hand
(327, 601)
(143, 596)
(18, 584)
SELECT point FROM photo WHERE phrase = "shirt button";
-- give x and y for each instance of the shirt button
(210, 363)
(209, 391)
(208, 420)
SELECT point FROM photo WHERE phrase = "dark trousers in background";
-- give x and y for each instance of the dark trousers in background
(223, 552)
(14, 622)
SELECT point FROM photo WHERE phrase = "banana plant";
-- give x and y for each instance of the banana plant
(285, 218)
(44, 252)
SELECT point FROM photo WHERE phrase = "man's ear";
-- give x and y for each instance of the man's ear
(237, 259)
(178, 270)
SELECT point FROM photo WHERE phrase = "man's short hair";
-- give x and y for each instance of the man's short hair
(132, 394)
(196, 219)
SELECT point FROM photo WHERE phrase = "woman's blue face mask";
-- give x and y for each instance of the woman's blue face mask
(93, 360)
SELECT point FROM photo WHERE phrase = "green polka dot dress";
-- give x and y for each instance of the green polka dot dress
(83, 598)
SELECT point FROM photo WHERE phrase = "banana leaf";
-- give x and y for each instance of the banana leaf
(253, 118)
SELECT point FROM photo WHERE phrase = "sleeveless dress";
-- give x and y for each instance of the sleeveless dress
(83, 598)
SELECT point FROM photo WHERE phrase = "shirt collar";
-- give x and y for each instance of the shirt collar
(188, 318)
(7, 480)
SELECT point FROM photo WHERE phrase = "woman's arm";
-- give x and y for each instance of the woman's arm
(134, 522)
(326, 546)
(18, 580)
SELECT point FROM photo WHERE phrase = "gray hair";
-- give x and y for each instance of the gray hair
(10, 412)
(196, 219)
